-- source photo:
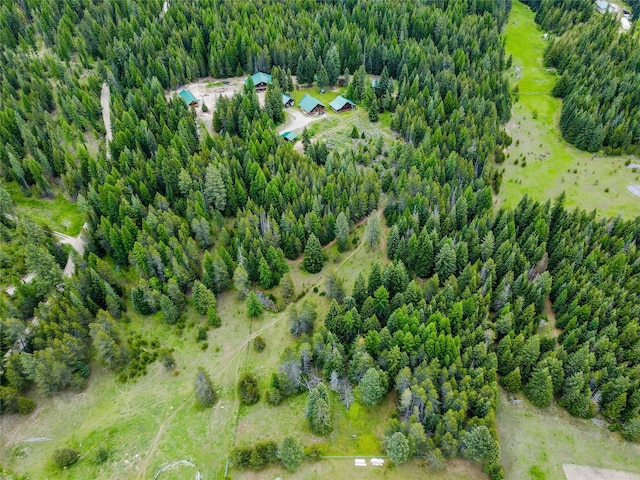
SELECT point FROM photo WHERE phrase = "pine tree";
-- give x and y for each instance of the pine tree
(398, 448)
(241, 281)
(313, 255)
(372, 387)
(479, 445)
(342, 232)
(323, 79)
(375, 279)
(424, 260)
(373, 230)
(287, 289)
(202, 298)
(204, 390)
(254, 307)
(248, 389)
(290, 453)
(332, 65)
(373, 112)
(319, 410)
(539, 390)
(170, 312)
(512, 382)
(392, 242)
(359, 293)
(446, 262)
(575, 395)
(273, 106)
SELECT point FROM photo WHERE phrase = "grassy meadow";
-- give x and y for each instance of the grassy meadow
(58, 213)
(536, 442)
(591, 181)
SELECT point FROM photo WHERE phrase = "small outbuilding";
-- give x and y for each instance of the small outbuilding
(311, 105)
(341, 104)
(601, 6)
(287, 101)
(189, 98)
(289, 136)
(260, 80)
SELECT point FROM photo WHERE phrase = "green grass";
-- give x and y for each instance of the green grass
(536, 442)
(58, 213)
(344, 468)
(552, 165)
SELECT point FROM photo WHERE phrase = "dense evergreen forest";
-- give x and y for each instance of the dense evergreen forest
(177, 215)
(599, 72)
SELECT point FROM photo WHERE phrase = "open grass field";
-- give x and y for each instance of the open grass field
(344, 468)
(535, 442)
(552, 165)
(58, 213)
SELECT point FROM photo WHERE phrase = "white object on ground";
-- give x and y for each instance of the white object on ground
(634, 189)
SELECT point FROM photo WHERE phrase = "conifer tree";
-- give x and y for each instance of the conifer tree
(539, 390)
(319, 410)
(254, 307)
(273, 106)
(313, 255)
(342, 232)
(204, 390)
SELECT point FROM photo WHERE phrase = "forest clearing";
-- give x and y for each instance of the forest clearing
(540, 162)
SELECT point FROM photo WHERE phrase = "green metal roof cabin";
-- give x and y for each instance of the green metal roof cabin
(189, 98)
(287, 101)
(289, 136)
(311, 106)
(260, 80)
(341, 104)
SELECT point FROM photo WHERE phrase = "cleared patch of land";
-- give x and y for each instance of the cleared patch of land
(552, 165)
(535, 443)
(57, 213)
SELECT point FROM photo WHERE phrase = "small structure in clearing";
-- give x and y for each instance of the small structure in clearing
(189, 98)
(289, 136)
(601, 6)
(287, 101)
(311, 105)
(341, 104)
(260, 80)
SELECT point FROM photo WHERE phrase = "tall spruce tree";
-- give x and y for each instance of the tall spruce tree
(313, 255)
